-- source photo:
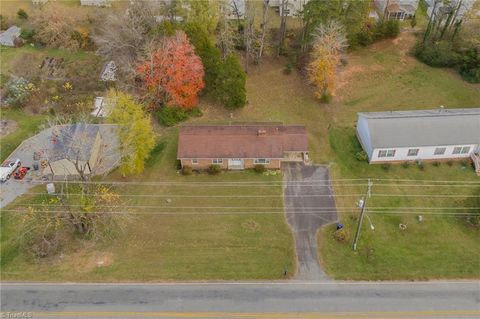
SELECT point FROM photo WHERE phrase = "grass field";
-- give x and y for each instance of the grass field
(259, 246)
(27, 126)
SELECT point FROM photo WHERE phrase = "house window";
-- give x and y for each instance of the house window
(439, 151)
(386, 153)
(217, 161)
(457, 150)
(194, 161)
(413, 152)
(262, 161)
(465, 150)
(390, 153)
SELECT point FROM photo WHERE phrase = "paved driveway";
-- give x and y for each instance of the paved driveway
(308, 213)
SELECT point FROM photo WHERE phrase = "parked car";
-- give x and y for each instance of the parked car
(8, 168)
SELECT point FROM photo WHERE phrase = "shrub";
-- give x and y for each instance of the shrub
(170, 116)
(156, 150)
(325, 98)
(450, 163)
(230, 84)
(187, 170)
(420, 166)
(259, 168)
(463, 163)
(340, 235)
(392, 29)
(18, 92)
(214, 169)
(386, 166)
(22, 14)
(436, 164)
(288, 68)
(361, 156)
(470, 66)
(386, 29)
(438, 54)
(27, 34)
(405, 164)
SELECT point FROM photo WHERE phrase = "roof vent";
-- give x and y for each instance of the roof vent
(262, 132)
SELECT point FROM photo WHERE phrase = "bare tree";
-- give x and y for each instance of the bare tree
(225, 34)
(264, 27)
(283, 26)
(248, 31)
(125, 37)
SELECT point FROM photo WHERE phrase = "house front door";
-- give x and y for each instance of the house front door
(235, 163)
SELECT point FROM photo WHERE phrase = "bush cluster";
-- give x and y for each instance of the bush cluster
(259, 168)
(170, 116)
(187, 170)
(372, 33)
(444, 54)
(214, 169)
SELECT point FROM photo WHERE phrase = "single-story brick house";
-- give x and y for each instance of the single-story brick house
(439, 134)
(241, 146)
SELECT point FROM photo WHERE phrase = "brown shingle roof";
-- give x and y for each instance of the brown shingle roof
(240, 141)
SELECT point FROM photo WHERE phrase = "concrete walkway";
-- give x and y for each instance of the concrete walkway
(307, 214)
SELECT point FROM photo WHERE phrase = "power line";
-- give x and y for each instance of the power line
(320, 213)
(279, 196)
(255, 207)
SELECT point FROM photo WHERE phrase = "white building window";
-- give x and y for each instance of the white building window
(457, 150)
(413, 152)
(439, 151)
(465, 150)
(262, 161)
(194, 161)
(217, 161)
(386, 153)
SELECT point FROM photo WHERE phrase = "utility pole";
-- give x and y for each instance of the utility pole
(360, 220)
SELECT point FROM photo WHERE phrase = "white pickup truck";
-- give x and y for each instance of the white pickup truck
(7, 169)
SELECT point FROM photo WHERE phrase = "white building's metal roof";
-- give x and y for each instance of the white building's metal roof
(423, 127)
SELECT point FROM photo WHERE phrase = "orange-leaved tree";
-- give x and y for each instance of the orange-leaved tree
(173, 73)
(329, 42)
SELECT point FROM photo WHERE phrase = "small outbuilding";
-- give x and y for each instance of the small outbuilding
(439, 134)
(11, 36)
(241, 146)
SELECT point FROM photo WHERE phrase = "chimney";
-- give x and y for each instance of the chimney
(261, 132)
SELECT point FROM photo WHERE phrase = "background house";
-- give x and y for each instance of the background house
(293, 7)
(419, 135)
(446, 7)
(397, 9)
(241, 146)
(96, 3)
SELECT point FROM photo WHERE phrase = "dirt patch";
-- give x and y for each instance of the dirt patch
(7, 127)
(85, 261)
(251, 225)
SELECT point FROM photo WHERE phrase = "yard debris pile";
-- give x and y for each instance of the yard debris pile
(7, 127)
(109, 72)
(52, 66)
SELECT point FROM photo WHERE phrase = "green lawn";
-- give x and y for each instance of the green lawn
(209, 244)
(259, 246)
(28, 125)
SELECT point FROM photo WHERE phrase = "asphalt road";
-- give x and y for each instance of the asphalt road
(308, 180)
(245, 300)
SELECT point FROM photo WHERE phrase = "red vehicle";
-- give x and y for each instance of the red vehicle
(21, 172)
